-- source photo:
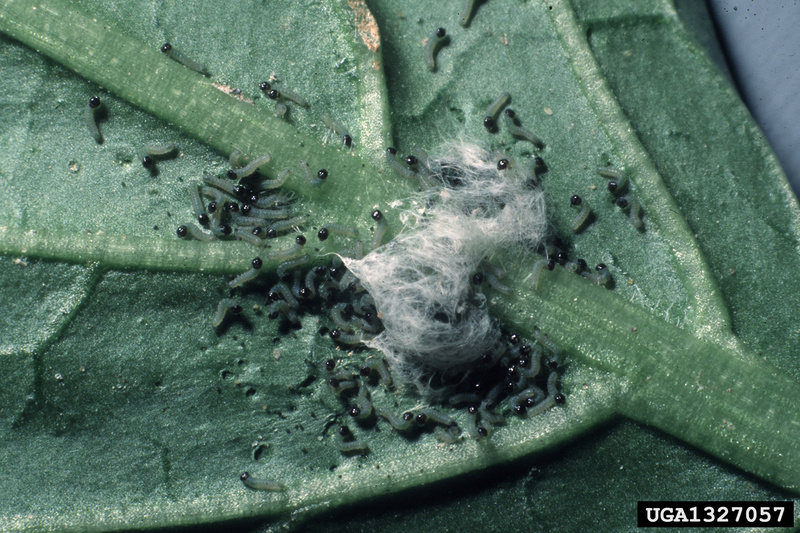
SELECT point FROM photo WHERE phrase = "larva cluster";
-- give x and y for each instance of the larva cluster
(515, 378)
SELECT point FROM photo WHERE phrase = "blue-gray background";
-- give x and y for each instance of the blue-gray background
(762, 46)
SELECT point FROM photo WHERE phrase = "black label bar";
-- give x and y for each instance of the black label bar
(715, 514)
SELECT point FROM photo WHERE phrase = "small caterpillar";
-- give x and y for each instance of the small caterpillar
(221, 184)
(197, 203)
(518, 131)
(247, 276)
(583, 215)
(160, 151)
(496, 284)
(283, 290)
(379, 366)
(289, 253)
(337, 129)
(277, 182)
(337, 229)
(193, 232)
(183, 60)
(469, 9)
(282, 308)
(223, 308)
(400, 423)
(432, 46)
(337, 316)
(261, 483)
(619, 180)
(250, 168)
(538, 268)
(346, 338)
(490, 118)
(634, 209)
(293, 97)
(285, 225)
(291, 264)
(399, 167)
(380, 229)
(269, 214)
(90, 117)
(355, 447)
(322, 175)
(601, 276)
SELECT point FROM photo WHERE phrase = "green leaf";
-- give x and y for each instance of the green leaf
(122, 408)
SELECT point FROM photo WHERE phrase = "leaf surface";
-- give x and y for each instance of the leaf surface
(125, 409)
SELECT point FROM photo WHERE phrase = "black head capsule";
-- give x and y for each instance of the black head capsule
(203, 219)
(440, 33)
(274, 94)
(147, 161)
(489, 123)
(613, 186)
(581, 264)
(552, 364)
(525, 349)
(538, 162)
(560, 399)
(408, 416)
(322, 234)
(239, 190)
(232, 207)
(510, 113)
(477, 278)
(330, 365)
(212, 206)
(377, 215)
(391, 150)
(575, 200)
(520, 409)
(600, 267)
(257, 231)
(264, 86)
(344, 431)
(335, 334)
(354, 412)
(246, 208)
(182, 231)
(300, 240)
(272, 233)
(322, 173)
(551, 264)
(347, 140)
(232, 174)
(562, 258)
(502, 164)
(304, 293)
(622, 202)
(421, 419)
(514, 339)
(94, 102)
(482, 431)
(411, 160)
(166, 47)
(225, 229)
(472, 409)
(257, 263)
